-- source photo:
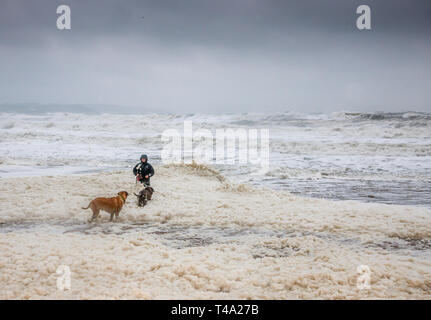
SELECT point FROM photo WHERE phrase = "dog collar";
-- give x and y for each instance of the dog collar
(121, 196)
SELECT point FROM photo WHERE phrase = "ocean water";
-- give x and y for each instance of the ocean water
(375, 157)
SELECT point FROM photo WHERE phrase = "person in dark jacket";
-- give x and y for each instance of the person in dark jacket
(143, 171)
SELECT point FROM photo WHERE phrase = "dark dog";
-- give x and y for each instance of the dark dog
(144, 196)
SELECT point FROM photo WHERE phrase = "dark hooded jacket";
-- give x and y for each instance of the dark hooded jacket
(143, 169)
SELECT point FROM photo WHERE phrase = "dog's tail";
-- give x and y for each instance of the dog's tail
(87, 206)
(136, 194)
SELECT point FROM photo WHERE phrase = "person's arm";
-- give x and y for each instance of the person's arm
(151, 173)
(135, 171)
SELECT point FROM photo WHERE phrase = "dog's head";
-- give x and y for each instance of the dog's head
(123, 194)
(150, 190)
(140, 194)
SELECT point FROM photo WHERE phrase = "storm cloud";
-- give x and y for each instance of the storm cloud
(218, 56)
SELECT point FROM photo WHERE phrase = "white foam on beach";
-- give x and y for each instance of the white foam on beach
(204, 237)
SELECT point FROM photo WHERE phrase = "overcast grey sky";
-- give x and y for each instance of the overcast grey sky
(218, 55)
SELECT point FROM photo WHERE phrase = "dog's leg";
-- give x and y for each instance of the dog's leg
(95, 215)
(112, 217)
(116, 215)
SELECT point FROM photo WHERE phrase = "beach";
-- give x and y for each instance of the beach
(205, 237)
(288, 144)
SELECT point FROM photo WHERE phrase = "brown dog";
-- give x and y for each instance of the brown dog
(144, 196)
(110, 205)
